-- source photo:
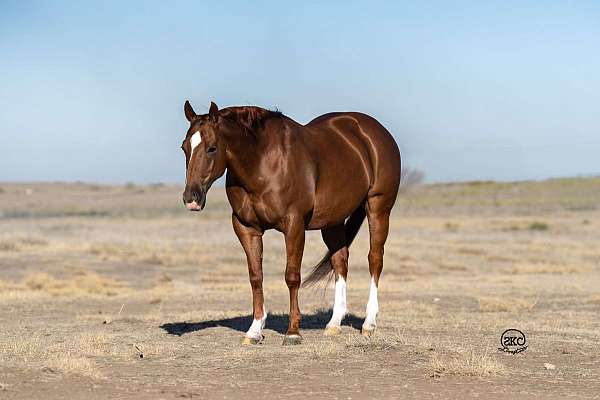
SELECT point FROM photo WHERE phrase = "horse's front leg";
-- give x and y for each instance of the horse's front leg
(294, 247)
(251, 240)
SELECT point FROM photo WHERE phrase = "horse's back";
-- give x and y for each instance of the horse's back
(356, 123)
(375, 140)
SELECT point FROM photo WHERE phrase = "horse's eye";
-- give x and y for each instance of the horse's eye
(211, 150)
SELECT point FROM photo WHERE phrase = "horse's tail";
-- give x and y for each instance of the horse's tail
(324, 270)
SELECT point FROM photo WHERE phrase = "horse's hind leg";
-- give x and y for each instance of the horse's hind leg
(378, 214)
(335, 239)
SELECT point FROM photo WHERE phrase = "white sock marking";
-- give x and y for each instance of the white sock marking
(255, 330)
(195, 140)
(339, 305)
(372, 307)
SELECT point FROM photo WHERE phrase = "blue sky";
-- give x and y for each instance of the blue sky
(471, 90)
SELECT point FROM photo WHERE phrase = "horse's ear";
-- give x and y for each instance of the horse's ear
(213, 112)
(190, 114)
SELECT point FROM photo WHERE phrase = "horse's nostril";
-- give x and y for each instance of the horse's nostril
(191, 197)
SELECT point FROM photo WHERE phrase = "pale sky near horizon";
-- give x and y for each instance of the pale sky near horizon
(472, 90)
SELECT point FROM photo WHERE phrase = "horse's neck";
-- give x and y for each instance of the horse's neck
(243, 157)
(246, 151)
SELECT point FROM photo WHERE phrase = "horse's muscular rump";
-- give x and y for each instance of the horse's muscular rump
(343, 166)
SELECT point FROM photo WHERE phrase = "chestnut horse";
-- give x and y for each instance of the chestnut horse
(328, 174)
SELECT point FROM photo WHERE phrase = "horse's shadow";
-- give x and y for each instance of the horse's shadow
(276, 322)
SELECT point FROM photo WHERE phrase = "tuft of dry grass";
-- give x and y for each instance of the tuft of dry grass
(23, 347)
(594, 299)
(471, 251)
(72, 364)
(40, 281)
(496, 258)
(451, 227)
(155, 259)
(84, 284)
(94, 344)
(164, 255)
(108, 250)
(8, 246)
(73, 355)
(33, 241)
(545, 268)
(9, 286)
(18, 244)
(506, 304)
(538, 226)
(377, 342)
(451, 267)
(468, 363)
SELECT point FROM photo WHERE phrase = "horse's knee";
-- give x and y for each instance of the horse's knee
(292, 279)
(256, 280)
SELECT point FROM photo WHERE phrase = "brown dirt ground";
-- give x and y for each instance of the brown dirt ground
(93, 276)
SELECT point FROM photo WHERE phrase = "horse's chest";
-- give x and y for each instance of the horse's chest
(254, 211)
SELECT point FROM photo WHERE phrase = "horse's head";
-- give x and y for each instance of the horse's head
(204, 150)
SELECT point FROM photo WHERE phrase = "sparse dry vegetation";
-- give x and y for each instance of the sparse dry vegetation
(507, 304)
(467, 363)
(545, 268)
(72, 364)
(107, 296)
(538, 226)
(6, 245)
(83, 284)
(375, 343)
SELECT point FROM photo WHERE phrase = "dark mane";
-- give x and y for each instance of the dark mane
(251, 118)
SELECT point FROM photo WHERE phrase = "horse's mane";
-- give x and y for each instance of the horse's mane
(251, 118)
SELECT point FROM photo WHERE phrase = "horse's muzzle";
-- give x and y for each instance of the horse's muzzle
(193, 206)
(194, 200)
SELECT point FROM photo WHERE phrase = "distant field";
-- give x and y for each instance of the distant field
(92, 277)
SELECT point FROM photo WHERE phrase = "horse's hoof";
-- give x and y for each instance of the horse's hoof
(367, 331)
(332, 331)
(289, 340)
(248, 340)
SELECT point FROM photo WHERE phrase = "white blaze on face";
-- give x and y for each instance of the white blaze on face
(339, 304)
(372, 307)
(195, 140)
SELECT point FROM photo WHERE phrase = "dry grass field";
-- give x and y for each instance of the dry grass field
(119, 292)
